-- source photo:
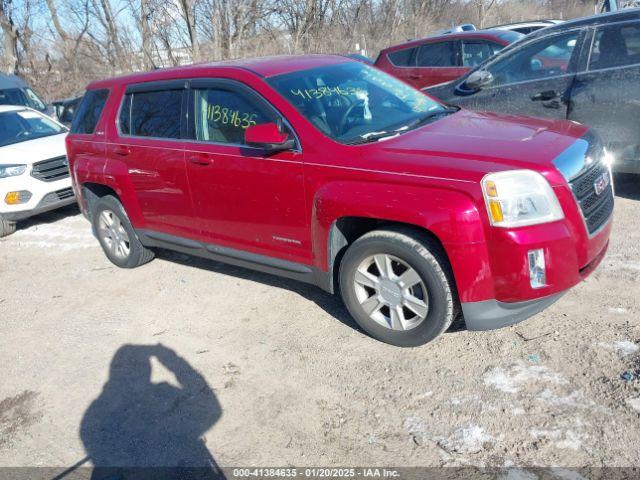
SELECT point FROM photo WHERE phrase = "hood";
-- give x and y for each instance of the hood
(33, 151)
(476, 143)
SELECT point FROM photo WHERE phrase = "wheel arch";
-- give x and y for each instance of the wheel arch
(92, 192)
(346, 230)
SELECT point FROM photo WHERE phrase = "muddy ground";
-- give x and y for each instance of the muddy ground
(204, 360)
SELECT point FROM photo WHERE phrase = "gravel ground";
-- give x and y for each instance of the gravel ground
(196, 359)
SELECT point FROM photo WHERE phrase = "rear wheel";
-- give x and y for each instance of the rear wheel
(397, 285)
(6, 227)
(117, 236)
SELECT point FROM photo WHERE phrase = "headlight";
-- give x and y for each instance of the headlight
(12, 170)
(516, 198)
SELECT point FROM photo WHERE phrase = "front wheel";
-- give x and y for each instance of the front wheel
(397, 285)
(117, 236)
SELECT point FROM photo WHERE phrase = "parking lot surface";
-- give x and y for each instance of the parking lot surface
(198, 360)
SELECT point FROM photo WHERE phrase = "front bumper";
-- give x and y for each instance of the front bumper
(45, 196)
(492, 314)
(52, 201)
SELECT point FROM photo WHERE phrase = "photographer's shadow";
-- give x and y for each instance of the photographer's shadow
(137, 423)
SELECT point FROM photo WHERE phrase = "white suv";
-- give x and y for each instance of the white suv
(34, 172)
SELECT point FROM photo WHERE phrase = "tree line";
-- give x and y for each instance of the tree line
(59, 46)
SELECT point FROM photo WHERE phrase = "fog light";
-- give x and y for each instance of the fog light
(16, 198)
(537, 269)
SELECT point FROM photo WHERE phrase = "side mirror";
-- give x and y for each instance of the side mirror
(269, 137)
(478, 80)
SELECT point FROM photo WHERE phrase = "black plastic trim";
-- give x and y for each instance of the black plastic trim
(240, 258)
(492, 314)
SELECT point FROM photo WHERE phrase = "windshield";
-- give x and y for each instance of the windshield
(23, 125)
(19, 96)
(354, 103)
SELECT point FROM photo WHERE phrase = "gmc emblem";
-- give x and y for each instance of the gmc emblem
(601, 183)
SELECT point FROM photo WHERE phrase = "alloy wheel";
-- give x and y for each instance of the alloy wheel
(391, 292)
(113, 234)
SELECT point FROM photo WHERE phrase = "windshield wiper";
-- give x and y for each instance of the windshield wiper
(430, 116)
(373, 137)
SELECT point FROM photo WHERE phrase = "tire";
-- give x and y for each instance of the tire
(407, 250)
(6, 227)
(118, 239)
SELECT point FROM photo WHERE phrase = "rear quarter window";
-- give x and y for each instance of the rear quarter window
(440, 54)
(89, 111)
(402, 58)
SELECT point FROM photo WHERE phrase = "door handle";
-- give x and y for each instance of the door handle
(545, 96)
(121, 150)
(201, 159)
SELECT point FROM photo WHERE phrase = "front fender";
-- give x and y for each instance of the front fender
(451, 215)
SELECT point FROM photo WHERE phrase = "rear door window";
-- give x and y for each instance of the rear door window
(475, 52)
(616, 46)
(440, 54)
(89, 111)
(151, 114)
(403, 58)
(221, 115)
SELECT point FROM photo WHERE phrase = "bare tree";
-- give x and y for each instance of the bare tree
(10, 36)
(188, 11)
(483, 7)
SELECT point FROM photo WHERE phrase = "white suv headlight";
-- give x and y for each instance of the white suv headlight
(516, 198)
(12, 170)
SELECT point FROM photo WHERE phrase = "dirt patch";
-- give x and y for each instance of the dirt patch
(17, 414)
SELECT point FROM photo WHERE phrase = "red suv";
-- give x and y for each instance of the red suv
(434, 60)
(329, 171)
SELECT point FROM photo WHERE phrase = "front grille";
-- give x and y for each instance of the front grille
(57, 196)
(51, 170)
(596, 209)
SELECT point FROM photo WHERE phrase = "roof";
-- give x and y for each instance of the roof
(11, 108)
(524, 23)
(598, 19)
(11, 81)
(260, 66)
(489, 34)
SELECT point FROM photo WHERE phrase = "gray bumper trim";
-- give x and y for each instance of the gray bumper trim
(491, 314)
(23, 214)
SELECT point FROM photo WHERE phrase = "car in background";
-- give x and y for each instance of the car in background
(441, 58)
(586, 70)
(15, 91)
(466, 27)
(528, 27)
(65, 109)
(34, 172)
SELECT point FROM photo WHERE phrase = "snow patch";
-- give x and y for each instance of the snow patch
(617, 310)
(623, 348)
(514, 378)
(464, 440)
(634, 403)
(64, 235)
(574, 399)
(567, 474)
(469, 439)
(519, 474)
(564, 439)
